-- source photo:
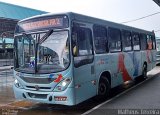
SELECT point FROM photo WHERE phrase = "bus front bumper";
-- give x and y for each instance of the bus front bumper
(64, 98)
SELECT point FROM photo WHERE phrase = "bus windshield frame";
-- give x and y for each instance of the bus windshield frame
(39, 54)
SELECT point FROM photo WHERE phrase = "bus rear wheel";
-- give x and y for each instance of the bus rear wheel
(103, 88)
(144, 71)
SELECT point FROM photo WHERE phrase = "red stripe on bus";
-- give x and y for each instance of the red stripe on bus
(59, 78)
(122, 68)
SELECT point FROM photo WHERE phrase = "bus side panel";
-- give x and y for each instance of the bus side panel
(112, 63)
(154, 52)
(129, 64)
(137, 61)
(84, 87)
(125, 66)
(106, 63)
(149, 59)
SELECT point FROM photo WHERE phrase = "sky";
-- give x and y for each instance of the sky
(113, 10)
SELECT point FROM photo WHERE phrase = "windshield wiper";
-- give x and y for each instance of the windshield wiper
(45, 36)
(40, 41)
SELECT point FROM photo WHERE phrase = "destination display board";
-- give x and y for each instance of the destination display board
(42, 23)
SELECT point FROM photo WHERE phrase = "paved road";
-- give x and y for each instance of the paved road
(6, 82)
(145, 96)
(6, 77)
(142, 98)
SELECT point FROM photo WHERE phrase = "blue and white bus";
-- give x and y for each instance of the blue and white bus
(69, 58)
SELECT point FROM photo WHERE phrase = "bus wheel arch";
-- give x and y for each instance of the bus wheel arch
(104, 85)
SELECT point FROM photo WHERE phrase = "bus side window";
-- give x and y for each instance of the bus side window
(82, 47)
(126, 40)
(149, 42)
(114, 40)
(143, 40)
(100, 39)
(82, 42)
(136, 41)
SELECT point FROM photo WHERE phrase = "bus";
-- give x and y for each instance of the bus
(68, 58)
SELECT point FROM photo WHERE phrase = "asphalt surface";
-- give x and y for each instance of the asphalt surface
(6, 82)
(143, 98)
(6, 77)
(135, 95)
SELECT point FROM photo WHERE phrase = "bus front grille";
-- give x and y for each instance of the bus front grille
(38, 80)
(39, 88)
(39, 96)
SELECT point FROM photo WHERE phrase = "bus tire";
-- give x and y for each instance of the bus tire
(103, 88)
(144, 71)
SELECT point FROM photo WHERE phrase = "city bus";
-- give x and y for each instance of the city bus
(68, 58)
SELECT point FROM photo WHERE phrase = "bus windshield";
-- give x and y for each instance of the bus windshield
(36, 54)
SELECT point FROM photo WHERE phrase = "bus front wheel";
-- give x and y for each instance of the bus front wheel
(103, 88)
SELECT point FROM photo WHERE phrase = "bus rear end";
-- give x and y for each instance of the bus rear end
(42, 60)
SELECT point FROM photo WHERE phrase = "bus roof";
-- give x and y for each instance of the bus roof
(97, 21)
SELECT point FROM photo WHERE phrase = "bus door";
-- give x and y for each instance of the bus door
(84, 74)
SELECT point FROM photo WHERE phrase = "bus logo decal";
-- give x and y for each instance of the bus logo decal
(36, 87)
(51, 75)
(59, 78)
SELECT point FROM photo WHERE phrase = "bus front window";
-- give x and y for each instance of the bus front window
(24, 53)
(52, 53)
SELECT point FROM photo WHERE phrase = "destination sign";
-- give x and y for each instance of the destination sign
(43, 23)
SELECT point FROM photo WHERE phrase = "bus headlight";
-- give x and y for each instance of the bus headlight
(63, 85)
(17, 84)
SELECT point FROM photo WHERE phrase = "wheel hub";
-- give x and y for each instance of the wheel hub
(102, 89)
